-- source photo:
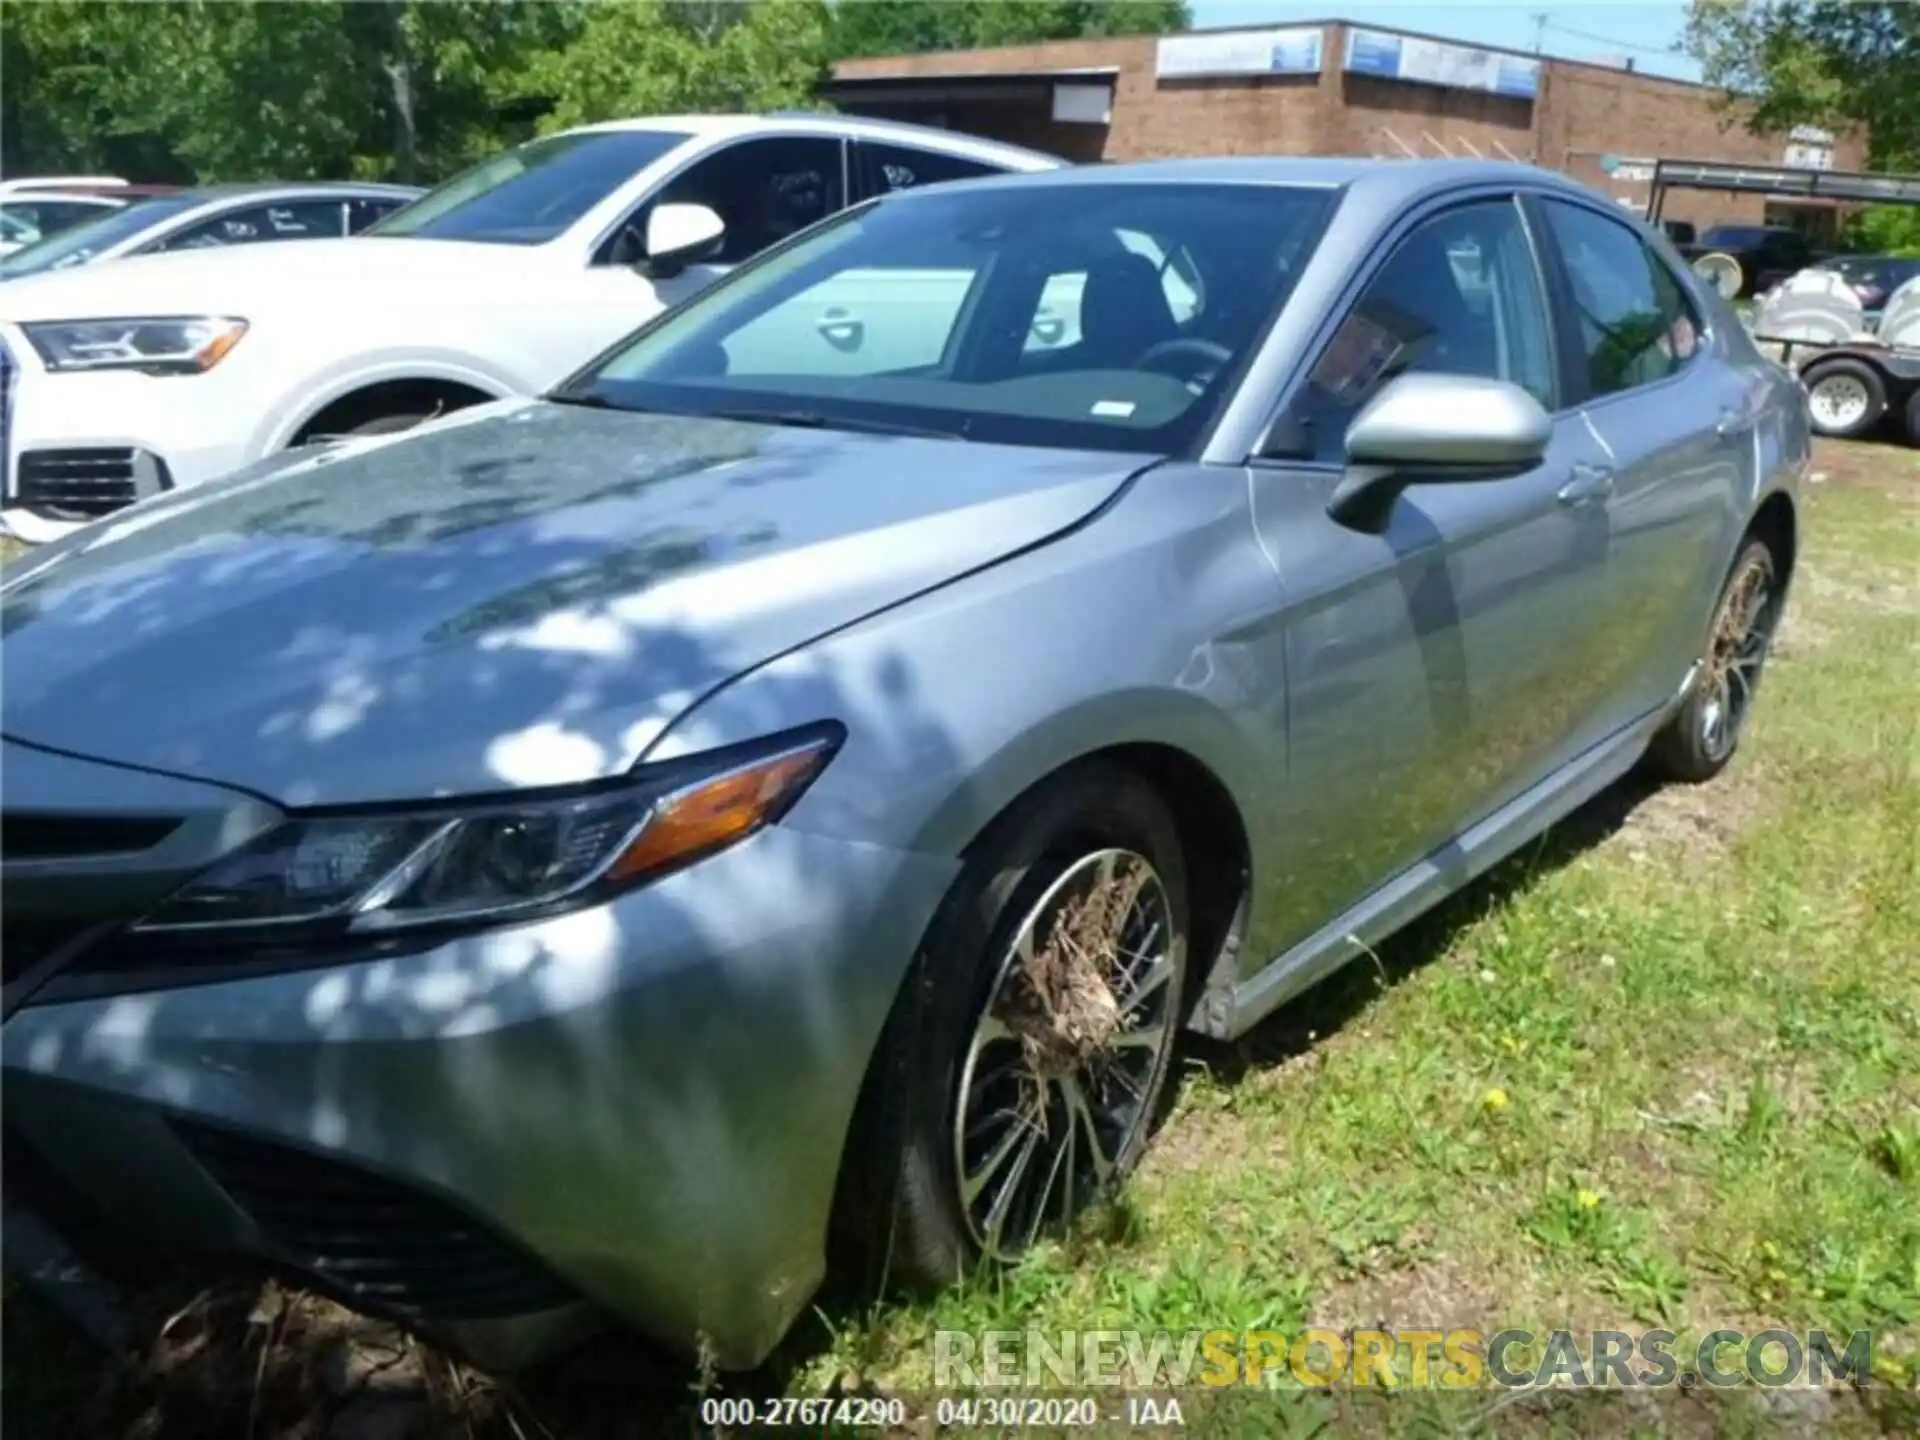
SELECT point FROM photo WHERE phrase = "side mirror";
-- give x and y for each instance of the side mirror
(679, 236)
(1436, 428)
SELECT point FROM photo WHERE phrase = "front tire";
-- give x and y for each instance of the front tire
(1018, 1075)
(1845, 398)
(1700, 739)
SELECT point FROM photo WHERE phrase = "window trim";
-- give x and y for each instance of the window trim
(596, 252)
(1356, 286)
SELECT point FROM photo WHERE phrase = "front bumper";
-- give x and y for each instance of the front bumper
(645, 1101)
(65, 434)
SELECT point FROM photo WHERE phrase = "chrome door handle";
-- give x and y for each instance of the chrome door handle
(1590, 484)
(1733, 421)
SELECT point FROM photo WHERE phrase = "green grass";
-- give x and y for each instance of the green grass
(1659, 1070)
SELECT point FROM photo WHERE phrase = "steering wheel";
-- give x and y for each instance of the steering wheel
(1187, 347)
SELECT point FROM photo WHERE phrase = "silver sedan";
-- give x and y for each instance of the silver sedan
(783, 793)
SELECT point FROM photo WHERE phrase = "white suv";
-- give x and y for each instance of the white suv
(117, 381)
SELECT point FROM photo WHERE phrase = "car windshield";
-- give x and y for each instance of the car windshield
(90, 238)
(533, 192)
(1100, 316)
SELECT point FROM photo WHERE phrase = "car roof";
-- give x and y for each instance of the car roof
(1384, 181)
(299, 189)
(860, 126)
(112, 200)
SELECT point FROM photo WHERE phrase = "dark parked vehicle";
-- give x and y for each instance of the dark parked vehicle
(1763, 255)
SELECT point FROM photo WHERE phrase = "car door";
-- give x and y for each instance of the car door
(1674, 417)
(1437, 668)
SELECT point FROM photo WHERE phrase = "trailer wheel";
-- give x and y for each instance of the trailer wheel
(1845, 397)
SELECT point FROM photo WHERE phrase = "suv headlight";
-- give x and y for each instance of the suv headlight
(378, 873)
(156, 345)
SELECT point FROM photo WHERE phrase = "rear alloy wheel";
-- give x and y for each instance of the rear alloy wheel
(1702, 736)
(1845, 398)
(1017, 1080)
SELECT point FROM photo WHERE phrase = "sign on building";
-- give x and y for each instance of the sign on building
(1295, 50)
(1808, 148)
(1433, 62)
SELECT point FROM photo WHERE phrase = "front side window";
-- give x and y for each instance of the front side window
(1634, 324)
(364, 211)
(534, 192)
(1459, 295)
(917, 313)
(763, 190)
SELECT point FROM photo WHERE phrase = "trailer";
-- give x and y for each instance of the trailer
(1854, 385)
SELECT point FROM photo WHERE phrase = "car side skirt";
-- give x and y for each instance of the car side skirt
(1438, 874)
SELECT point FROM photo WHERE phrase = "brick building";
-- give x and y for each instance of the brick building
(1333, 88)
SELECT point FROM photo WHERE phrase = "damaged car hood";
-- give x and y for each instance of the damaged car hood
(524, 594)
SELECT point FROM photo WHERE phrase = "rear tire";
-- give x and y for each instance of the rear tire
(982, 1069)
(1845, 398)
(1913, 417)
(1698, 742)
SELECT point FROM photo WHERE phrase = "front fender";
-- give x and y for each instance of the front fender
(1154, 622)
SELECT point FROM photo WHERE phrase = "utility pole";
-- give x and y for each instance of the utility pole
(1539, 32)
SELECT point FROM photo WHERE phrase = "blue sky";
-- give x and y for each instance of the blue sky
(1645, 32)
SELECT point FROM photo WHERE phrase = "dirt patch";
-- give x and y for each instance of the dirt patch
(1436, 1294)
(1698, 823)
(245, 1360)
(1858, 465)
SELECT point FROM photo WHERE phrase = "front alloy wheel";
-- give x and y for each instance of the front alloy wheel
(1056, 1085)
(1017, 1078)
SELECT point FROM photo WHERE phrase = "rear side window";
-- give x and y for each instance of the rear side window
(900, 167)
(1633, 322)
(287, 220)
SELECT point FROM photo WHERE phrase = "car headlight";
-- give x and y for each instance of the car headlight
(379, 873)
(156, 345)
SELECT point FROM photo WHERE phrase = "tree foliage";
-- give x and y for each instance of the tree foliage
(413, 89)
(898, 27)
(1819, 62)
(653, 57)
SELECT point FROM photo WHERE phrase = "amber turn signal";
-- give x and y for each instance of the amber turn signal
(720, 810)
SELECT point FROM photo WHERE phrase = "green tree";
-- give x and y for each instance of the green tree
(657, 57)
(250, 89)
(898, 27)
(1819, 62)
